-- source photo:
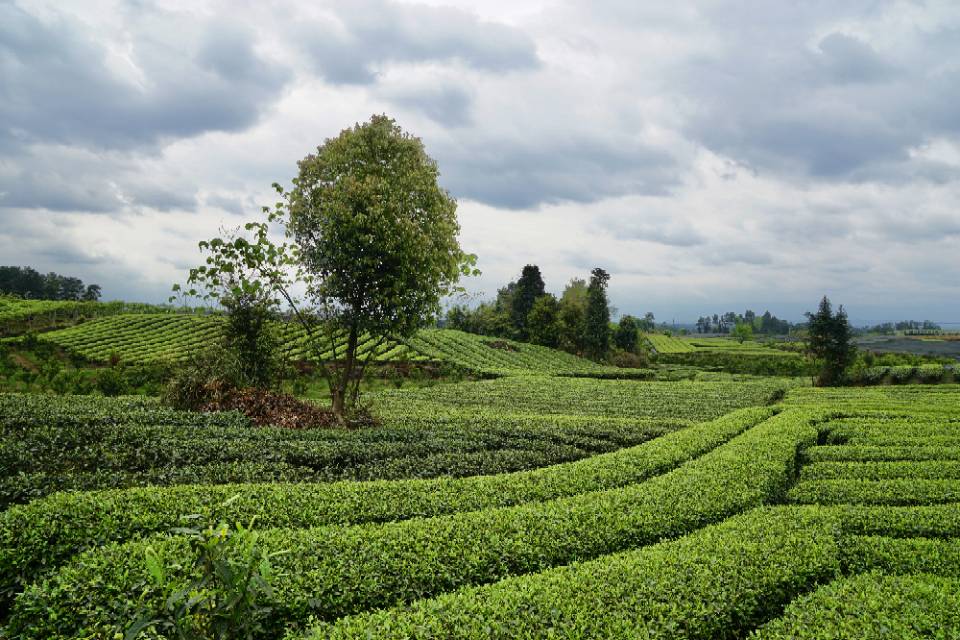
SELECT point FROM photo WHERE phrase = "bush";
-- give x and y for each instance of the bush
(715, 583)
(417, 558)
(887, 492)
(37, 536)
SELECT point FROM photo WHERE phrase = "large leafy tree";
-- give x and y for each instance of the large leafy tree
(597, 329)
(371, 242)
(830, 342)
(376, 239)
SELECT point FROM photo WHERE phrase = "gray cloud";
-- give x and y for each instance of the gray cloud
(365, 35)
(447, 105)
(62, 86)
(518, 173)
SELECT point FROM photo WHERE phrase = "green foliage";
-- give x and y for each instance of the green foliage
(233, 579)
(627, 334)
(872, 606)
(375, 237)
(529, 288)
(419, 558)
(830, 343)
(597, 319)
(715, 583)
(742, 331)
(543, 322)
(35, 537)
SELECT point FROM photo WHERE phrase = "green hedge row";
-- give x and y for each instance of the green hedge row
(762, 364)
(902, 555)
(864, 453)
(931, 521)
(402, 570)
(44, 533)
(74, 450)
(409, 560)
(882, 492)
(906, 469)
(716, 583)
(24, 487)
(872, 606)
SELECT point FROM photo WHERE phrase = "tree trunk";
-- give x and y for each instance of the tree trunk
(349, 363)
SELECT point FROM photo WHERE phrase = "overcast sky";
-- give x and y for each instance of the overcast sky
(710, 155)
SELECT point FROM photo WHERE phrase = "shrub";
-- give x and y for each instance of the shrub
(872, 606)
(37, 536)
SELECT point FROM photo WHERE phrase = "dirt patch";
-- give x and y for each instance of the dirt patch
(502, 345)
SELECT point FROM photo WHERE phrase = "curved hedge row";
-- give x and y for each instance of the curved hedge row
(906, 469)
(418, 558)
(718, 582)
(47, 447)
(902, 555)
(42, 534)
(882, 492)
(872, 606)
(865, 453)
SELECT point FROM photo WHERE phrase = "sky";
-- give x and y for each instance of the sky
(711, 156)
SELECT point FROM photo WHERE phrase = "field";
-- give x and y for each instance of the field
(548, 496)
(525, 506)
(146, 338)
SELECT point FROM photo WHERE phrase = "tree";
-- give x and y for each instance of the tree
(92, 292)
(376, 239)
(528, 288)
(233, 275)
(626, 336)
(573, 316)
(648, 323)
(597, 329)
(372, 238)
(830, 343)
(543, 322)
(742, 331)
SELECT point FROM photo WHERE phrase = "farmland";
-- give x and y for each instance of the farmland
(544, 495)
(501, 504)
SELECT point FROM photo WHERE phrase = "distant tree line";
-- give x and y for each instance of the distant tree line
(891, 328)
(26, 282)
(578, 321)
(767, 324)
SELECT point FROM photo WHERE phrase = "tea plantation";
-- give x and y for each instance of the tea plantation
(526, 506)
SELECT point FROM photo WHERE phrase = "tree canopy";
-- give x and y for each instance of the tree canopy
(27, 282)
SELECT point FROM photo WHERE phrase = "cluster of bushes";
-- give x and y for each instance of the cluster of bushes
(897, 491)
(46, 447)
(872, 605)
(772, 364)
(36, 537)
(413, 559)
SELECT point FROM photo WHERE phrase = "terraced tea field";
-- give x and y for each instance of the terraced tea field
(521, 507)
(149, 338)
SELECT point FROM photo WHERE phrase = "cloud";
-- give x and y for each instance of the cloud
(355, 42)
(175, 78)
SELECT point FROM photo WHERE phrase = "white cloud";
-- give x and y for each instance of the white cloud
(711, 157)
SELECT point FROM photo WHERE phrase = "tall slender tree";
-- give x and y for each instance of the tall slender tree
(597, 335)
(830, 343)
(529, 287)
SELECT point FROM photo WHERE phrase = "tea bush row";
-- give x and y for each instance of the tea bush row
(44, 533)
(406, 561)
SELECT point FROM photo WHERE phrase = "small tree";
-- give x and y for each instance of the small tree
(528, 288)
(830, 343)
(543, 321)
(626, 335)
(742, 331)
(597, 329)
(232, 276)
